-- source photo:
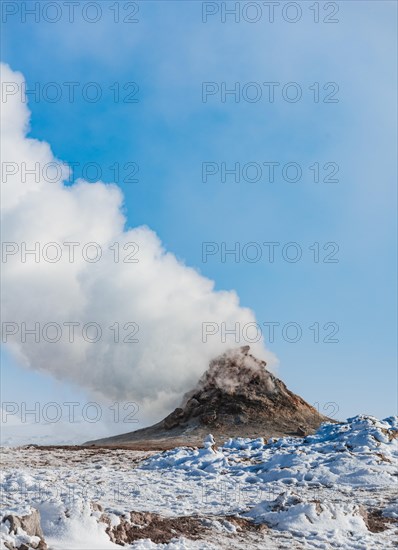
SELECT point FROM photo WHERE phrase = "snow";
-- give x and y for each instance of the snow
(311, 492)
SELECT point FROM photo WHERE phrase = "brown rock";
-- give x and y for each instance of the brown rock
(30, 524)
(236, 397)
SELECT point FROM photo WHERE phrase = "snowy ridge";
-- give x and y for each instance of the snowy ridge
(366, 444)
(334, 489)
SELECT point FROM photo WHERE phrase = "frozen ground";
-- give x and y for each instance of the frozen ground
(336, 489)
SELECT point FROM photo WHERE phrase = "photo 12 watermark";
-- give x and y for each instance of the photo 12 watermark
(59, 172)
(269, 92)
(73, 412)
(70, 11)
(69, 332)
(70, 92)
(69, 252)
(291, 332)
(213, 172)
(232, 12)
(270, 252)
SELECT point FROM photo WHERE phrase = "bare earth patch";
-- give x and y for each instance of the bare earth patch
(161, 530)
(375, 521)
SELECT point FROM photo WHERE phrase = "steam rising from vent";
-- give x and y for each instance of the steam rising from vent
(234, 370)
(160, 300)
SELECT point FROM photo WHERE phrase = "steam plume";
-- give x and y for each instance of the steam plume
(166, 299)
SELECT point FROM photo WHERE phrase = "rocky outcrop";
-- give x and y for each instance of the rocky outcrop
(29, 525)
(236, 397)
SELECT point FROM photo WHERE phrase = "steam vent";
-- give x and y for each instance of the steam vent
(236, 397)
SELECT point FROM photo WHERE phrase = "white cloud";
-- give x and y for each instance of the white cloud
(168, 300)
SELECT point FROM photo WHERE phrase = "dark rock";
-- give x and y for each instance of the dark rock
(236, 397)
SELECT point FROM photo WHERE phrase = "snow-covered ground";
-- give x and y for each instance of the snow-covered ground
(336, 489)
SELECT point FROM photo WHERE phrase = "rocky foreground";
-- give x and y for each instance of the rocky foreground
(334, 489)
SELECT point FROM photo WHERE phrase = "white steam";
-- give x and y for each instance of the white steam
(166, 299)
(235, 370)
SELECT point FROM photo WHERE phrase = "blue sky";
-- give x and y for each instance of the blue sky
(170, 132)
